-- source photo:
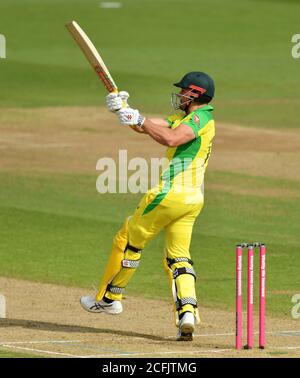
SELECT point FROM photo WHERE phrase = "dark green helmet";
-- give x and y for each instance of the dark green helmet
(199, 82)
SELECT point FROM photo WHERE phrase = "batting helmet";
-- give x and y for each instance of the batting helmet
(198, 81)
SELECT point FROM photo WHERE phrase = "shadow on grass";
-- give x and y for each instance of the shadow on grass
(55, 327)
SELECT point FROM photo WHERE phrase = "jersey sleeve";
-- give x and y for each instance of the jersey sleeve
(194, 123)
(169, 121)
(174, 117)
(197, 122)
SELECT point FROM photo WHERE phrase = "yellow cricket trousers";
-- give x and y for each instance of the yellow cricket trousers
(151, 216)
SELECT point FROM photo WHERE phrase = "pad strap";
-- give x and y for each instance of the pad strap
(179, 259)
(184, 270)
(130, 263)
(115, 289)
(184, 301)
(133, 249)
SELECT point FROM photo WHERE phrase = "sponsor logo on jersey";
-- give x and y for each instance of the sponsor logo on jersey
(196, 119)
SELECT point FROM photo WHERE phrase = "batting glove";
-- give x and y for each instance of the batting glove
(131, 117)
(117, 101)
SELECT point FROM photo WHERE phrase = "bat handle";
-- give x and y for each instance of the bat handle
(124, 96)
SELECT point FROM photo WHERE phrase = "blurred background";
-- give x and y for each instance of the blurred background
(148, 45)
(55, 227)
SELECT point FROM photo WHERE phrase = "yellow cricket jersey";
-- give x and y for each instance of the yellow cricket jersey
(182, 179)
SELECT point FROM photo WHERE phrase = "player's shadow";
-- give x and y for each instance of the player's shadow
(55, 327)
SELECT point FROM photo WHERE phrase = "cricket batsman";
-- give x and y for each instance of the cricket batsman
(172, 205)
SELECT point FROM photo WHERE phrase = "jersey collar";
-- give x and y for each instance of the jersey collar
(206, 107)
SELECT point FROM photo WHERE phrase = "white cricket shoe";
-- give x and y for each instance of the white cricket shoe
(186, 327)
(89, 303)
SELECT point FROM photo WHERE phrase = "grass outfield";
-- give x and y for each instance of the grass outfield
(57, 229)
(6, 354)
(149, 44)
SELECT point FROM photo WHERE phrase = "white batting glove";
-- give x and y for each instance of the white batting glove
(117, 101)
(131, 117)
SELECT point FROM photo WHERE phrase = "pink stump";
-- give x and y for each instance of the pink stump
(250, 301)
(239, 304)
(262, 296)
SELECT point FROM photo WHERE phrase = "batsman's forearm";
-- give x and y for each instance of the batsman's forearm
(162, 135)
(138, 129)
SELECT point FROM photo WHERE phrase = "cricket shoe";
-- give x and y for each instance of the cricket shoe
(89, 303)
(186, 327)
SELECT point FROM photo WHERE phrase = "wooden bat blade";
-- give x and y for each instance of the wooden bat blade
(92, 55)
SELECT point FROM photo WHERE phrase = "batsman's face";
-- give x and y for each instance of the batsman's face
(184, 94)
(185, 98)
(182, 99)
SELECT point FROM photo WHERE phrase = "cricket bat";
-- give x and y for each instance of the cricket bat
(92, 55)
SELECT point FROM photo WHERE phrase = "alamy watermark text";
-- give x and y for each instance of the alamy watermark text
(2, 47)
(296, 307)
(296, 46)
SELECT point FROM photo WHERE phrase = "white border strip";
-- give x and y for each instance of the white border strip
(13, 345)
(159, 353)
(286, 347)
(41, 342)
(277, 333)
(135, 353)
(41, 351)
(116, 354)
